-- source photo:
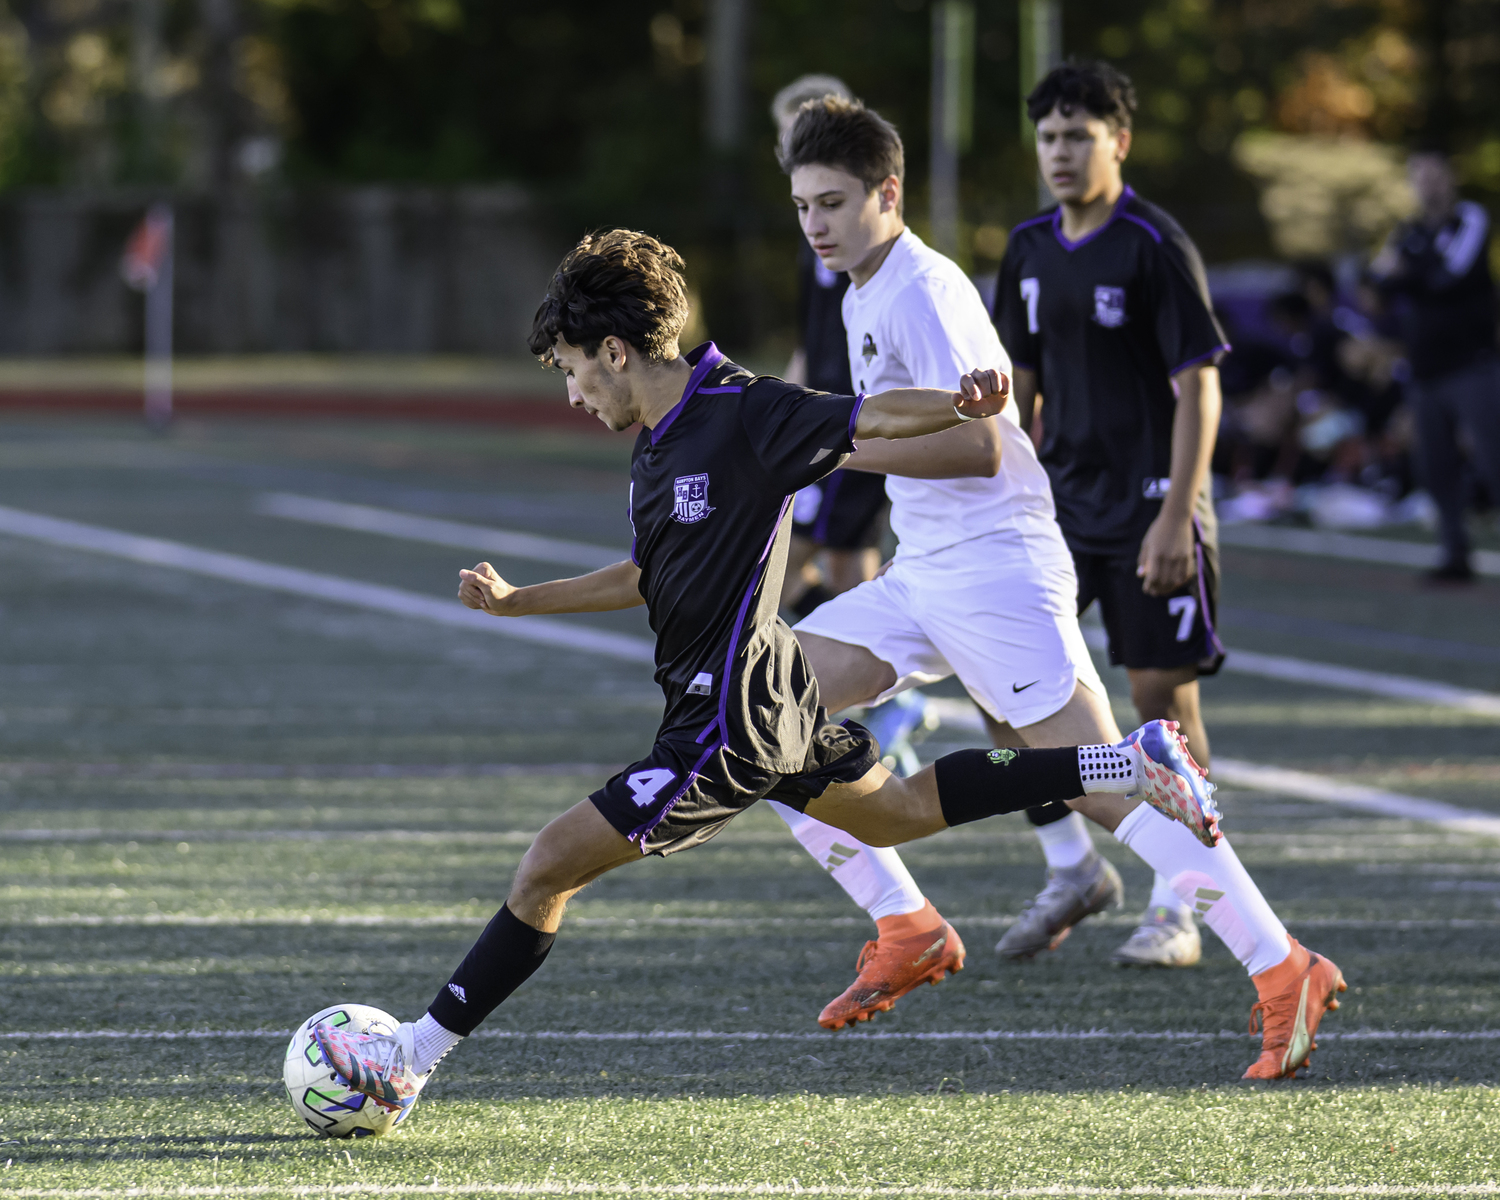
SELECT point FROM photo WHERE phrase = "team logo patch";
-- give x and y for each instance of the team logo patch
(868, 351)
(690, 498)
(1001, 757)
(1109, 306)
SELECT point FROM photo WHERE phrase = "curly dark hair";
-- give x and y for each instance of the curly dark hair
(833, 131)
(1104, 91)
(616, 283)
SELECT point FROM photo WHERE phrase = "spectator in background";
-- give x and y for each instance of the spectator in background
(1436, 272)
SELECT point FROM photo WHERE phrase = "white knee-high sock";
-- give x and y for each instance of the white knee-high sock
(1213, 883)
(874, 876)
(1164, 895)
(1066, 843)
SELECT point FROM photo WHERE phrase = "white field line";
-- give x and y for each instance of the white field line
(760, 1035)
(365, 519)
(1304, 785)
(235, 568)
(1350, 679)
(1246, 662)
(560, 1188)
(1320, 544)
(384, 921)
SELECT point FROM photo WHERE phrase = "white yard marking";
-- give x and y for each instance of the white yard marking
(560, 1188)
(961, 714)
(1321, 544)
(760, 1035)
(235, 568)
(365, 519)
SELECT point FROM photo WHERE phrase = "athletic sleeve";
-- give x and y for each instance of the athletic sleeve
(1015, 311)
(1187, 332)
(943, 333)
(798, 435)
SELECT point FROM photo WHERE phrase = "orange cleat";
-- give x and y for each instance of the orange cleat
(1294, 995)
(911, 949)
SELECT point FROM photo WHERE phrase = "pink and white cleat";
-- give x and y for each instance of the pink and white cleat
(1175, 785)
(374, 1063)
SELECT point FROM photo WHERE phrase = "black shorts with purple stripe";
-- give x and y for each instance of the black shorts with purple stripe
(850, 508)
(1160, 632)
(683, 793)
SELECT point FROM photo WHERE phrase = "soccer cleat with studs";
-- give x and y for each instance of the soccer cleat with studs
(1175, 785)
(1289, 1019)
(1165, 937)
(374, 1063)
(890, 967)
(1072, 893)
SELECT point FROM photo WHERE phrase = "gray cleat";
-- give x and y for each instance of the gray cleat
(1071, 894)
(1165, 938)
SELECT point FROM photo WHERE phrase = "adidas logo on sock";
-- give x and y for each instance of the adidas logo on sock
(459, 992)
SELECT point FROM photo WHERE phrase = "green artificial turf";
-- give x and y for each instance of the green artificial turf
(222, 809)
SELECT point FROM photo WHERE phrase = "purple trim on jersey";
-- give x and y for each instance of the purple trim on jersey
(739, 620)
(1208, 620)
(712, 357)
(1221, 348)
(643, 831)
(715, 391)
(1030, 221)
(1125, 197)
(825, 510)
(1015, 362)
(859, 403)
(1144, 224)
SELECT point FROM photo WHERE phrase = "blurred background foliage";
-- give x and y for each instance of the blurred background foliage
(1261, 120)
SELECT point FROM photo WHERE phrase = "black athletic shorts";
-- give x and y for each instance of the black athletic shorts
(682, 794)
(850, 505)
(1154, 631)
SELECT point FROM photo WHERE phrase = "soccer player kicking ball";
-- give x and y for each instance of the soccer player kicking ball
(718, 459)
(983, 587)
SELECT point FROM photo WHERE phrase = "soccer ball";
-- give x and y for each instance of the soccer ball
(319, 1096)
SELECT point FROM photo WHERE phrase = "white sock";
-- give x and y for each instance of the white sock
(432, 1042)
(1213, 883)
(874, 876)
(1066, 843)
(1164, 896)
(1105, 769)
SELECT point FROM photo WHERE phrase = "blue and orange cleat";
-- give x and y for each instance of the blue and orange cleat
(1175, 785)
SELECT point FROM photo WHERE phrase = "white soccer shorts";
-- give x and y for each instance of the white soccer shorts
(998, 611)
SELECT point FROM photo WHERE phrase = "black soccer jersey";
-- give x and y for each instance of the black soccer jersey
(820, 320)
(710, 489)
(1106, 322)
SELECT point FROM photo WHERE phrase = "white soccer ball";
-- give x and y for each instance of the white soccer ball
(319, 1096)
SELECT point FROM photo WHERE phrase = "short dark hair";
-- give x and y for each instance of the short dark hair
(616, 283)
(1104, 91)
(834, 131)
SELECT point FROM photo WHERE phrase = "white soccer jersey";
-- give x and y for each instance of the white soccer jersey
(919, 322)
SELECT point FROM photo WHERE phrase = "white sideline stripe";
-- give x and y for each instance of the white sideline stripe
(1352, 679)
(1302, 784)
(1308, 786)
(759, 1035)
(237, 569)
(558, 1188)
(1387, 551)
(382, 921)
(365, 519)
(520, 545)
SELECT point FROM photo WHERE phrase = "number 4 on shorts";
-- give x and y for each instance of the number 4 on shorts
(645, 786)
(1184, 608)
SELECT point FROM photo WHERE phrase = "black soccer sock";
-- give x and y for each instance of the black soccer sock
(1047, 814)
(506, 955)
(974, 784)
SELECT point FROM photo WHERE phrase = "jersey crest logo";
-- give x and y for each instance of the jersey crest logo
(1109, 306)
(868, 351)
(690, 499)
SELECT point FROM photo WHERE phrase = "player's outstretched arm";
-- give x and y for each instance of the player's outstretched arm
(912, 412)
(604, 590)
